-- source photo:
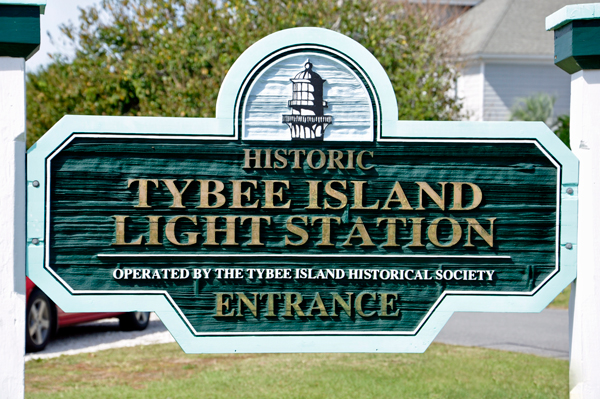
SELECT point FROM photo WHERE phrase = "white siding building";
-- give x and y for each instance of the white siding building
(506, 54)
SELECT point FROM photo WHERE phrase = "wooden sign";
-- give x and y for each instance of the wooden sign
(305, 217)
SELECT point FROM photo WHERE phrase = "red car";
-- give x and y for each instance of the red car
(44, 318)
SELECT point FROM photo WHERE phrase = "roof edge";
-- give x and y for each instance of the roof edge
(508, 58)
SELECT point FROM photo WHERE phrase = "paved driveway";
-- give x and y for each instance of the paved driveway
(543, 334)
(100, 335)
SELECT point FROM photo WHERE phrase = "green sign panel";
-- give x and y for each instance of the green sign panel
(304, 217)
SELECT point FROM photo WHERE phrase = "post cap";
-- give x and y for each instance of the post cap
(576, 31)
(20, 27)
(572, 13)
(40, 3)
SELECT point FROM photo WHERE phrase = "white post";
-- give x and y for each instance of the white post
(584, 308)
(576, 30)
(12, 227)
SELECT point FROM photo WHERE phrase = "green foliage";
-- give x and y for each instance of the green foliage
(169, 57)
(562, 129)
(537, 107)
(540, 107)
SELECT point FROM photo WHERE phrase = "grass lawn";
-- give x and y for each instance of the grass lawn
(562, 300)
(164, 371)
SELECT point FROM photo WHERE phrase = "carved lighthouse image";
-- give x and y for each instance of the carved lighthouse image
(307, 121)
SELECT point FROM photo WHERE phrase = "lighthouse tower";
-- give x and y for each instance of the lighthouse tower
(307, 121)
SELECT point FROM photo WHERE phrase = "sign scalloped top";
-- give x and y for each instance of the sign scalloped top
(305, 217)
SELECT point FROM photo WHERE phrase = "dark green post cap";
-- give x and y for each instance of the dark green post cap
(576, 37)
(20, 27)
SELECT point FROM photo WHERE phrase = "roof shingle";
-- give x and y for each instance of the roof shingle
(511, 27)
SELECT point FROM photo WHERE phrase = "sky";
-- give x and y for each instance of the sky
(57, 13)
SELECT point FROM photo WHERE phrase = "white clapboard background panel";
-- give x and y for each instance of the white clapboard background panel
(348, 101)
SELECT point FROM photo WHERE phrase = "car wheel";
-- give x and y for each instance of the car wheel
(40, 321)
(134, 321)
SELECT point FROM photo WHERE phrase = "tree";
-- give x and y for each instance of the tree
(540, 107)
(169, 57)
(562, 129)
(537, 107)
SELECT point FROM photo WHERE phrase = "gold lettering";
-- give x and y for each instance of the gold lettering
(433, 234)
(487, 237)
(346, 306)
(325, 229)
(309, 159)
(335, 194)
(313, 194)
(391, 230)
(350, 165)
(388, 304)
(335, 159)
(268, 159)
(252, 306)
(358, 304)
(289, 304)
(142, 191)
(300, 232)
(297, 164)
(170, 231)
(229, 230)
(255, 227)
(401, 198)
(237, 194)
(120, 232)
(271, 302)
(318, 304)
(458, 196)
(359, 160)
(223, 304)
(269, 194)
(255, 158)
(281, 159)
(416, 233)
(362, 234)
(153, 221)
(177, 195)
(205, 194)
(439, 200)
(358, 196)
